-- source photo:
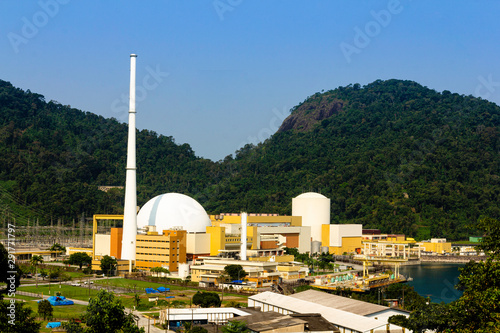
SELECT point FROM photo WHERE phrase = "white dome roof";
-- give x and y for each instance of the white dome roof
(173, 210)
(311, 195)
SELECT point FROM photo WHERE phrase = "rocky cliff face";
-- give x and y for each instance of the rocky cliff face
(307, 115)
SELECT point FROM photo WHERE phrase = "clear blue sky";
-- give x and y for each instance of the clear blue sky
(226, 72)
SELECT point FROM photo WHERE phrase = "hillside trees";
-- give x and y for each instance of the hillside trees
(478, 309)
(392, 155)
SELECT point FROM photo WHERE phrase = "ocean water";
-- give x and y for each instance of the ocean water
(434, 280)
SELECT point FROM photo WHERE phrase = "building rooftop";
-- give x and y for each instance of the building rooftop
(340, 303)
(268, 321)
(344, 319)
(315, 322)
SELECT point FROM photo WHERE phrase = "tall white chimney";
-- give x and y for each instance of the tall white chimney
(130, 209)
(243, 249)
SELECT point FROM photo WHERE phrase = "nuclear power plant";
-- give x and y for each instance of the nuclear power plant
(173, 230)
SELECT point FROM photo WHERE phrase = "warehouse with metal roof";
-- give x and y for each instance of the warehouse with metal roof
(347, 322)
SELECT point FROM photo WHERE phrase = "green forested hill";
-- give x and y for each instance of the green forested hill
(53, 158)
(392, 155)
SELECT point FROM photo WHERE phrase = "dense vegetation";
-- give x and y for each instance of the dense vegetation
(392, 155)
(53, 158)
(478, 309)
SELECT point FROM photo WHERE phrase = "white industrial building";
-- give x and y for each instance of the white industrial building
(315, 211)
(346, 321)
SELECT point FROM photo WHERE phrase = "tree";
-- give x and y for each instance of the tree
(73, 327)
(105, 313)
(206, 299)
(221, 281)
(159, 270)
(188, 327)
(45, 309)
(478, 309)
(15, 317)
(406, 295)
(291, 250)
(7, 265)
(57, 247)
(108, 264)
(235, 326)
(491, 240)
(80, 259)
(233, 304)
(235, 272)
(35, 260)
(137, 300)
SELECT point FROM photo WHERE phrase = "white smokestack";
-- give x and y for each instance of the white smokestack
(130, 209)
(243, 250)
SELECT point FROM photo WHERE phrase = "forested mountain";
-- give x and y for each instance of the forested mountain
(392, 155)
(53, 158)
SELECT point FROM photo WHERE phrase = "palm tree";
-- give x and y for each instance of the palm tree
(222, 279)
(35, 260)
(57, 247)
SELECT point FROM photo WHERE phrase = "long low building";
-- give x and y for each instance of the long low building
(346, 321)
(208, 270)
(350, 305)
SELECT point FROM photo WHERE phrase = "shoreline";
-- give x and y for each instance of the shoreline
(447, 259)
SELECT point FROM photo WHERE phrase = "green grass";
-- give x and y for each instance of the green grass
(79, 293)
(139, 285)
(26, 298)
(464, 242)
(77, 275)
(59, 313)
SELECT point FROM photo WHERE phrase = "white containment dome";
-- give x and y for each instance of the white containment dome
(171, 210)
(315, 211)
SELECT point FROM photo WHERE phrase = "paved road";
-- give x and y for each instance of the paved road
(144, 322)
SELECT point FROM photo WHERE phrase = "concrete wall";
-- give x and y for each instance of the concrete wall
(102, 245)
(339, 231)
(198, 243)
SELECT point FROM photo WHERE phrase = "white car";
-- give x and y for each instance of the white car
(76, 284)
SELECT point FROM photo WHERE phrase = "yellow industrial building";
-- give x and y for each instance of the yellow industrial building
(174, 229)
(342, 238)
(436, 245)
